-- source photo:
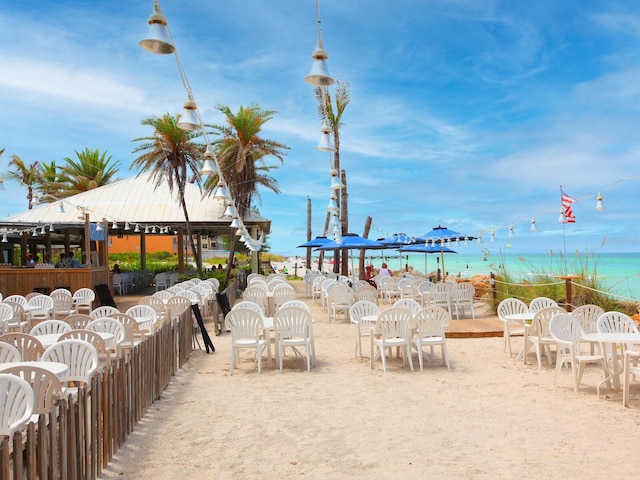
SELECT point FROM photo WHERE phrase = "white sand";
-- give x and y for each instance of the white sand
(488, 417)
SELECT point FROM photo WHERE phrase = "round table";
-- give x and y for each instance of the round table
(52, 338)
(59, 369)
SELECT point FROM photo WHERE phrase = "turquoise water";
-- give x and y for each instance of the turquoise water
(619, 273)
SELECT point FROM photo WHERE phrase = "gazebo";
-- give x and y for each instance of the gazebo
(134, 206)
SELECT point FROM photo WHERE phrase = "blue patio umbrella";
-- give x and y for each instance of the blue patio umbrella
(424, 248)
(440, 235)
(351, 241)
(316, 242)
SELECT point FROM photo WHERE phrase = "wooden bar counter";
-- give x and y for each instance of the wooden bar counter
(23, 280)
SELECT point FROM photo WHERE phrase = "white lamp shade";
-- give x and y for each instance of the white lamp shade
(599, 202)
(230, 210)
(221, 191)
(235, 223)
(336, 184)
(208, 167)
(189, 119)
(319, 75)
(158, 39)
(326, 126)
(533, 225)
(333, 205)
(325, 144)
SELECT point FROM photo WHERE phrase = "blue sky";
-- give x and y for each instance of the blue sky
(464, 113)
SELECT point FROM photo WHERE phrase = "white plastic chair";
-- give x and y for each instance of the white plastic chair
(537, 335)
(631, 369)
(6, 315)
(84, 298)
(296, 303)
(103, 311)
(341, 298)
(16, 406)
(409, 303)
(462, 297)
(366, 292)
(49, 327)
(81, 357)
(43, 305)
(9, 353)
(46, 386)
(441, 295)
(283, 294)
(157, 304)
(163, 295)
(424, 292)
(60, 291)
(246, 331)
(250, 305)
(78, 321)
(30, 348)
(19, 299)
(567, 332)
(140, 312)
(509, 306)
(616, 322)
(393, 330)
(430, 323)
(63, 305)
(363, 308)
(293, 329)
(540, 303)
(256, 295)
(588, 316)
(109, 325)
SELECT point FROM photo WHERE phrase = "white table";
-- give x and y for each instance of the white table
(524, 318)
(52, 338)
(59, 369)
(613, 366)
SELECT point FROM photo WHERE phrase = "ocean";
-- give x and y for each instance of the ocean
(619, 273)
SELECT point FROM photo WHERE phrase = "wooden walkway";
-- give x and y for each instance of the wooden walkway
(478, 328)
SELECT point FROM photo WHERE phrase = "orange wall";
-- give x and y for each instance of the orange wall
(131, 243)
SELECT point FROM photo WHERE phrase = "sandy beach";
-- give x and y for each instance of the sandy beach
(488, 417)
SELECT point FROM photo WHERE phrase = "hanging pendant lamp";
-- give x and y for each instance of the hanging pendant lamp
(158, 39)
(319, 75)
(189, 118)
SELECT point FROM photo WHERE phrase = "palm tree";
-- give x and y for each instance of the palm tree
(171, 156)
(334, 117)
(92, 169)
(241, 153)
(27, 175)
(50, 187)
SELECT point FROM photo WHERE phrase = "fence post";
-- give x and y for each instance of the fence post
(494, 293)
(567, 287)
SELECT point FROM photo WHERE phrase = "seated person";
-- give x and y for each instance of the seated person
(384, 271)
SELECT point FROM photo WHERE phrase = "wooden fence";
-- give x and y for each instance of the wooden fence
(81, 433)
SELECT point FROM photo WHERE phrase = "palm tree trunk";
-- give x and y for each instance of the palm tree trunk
(189, 235)
(344, 221)
(365, 234)
(230, 259)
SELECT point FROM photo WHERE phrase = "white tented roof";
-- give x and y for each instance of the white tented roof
(135, 200)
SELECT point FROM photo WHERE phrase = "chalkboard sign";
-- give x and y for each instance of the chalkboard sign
(104, 295)
(208, 344)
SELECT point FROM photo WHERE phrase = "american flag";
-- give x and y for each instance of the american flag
(567, 201)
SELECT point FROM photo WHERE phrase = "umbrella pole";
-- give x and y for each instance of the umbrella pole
(444, 272)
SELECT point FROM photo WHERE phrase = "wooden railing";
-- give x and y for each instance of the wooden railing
(80, 434)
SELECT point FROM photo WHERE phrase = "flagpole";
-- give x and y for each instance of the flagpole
(564, 238)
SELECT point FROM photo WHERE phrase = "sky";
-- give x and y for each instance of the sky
(466, 114)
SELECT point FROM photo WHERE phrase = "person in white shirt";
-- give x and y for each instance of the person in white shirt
(384, 271)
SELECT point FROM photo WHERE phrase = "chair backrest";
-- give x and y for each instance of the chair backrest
(431, 321)
(282, 295)
(131, 327)
(81, 357)
(509, 306)
(214, 282)
(177, 304)
(588, 316)
(394, 322)
(84, 296)
(49, 327)
(18, 311)
(408, 303)
(203, 292)
(45, 384)
(244, 323)
(296, 303)
(6, 313)
(541, 302)
(615, 322)
(142, 311)
(17, 299)
(16, 403)
(441, 292)
(30, 295)
(62, 302)
(362, 308)
(60, 291)
(93, 338)
(294, 322)
(43, 302)
(541, 319)
(249, 305)
(103, 311)
(366, 292)
(30, 348)
(256, 295)
(464, 291)
(78, 320)
(154, 302)
(9, 353)
(192, 296)
(564, 327)
(163, 295)
(107, 325)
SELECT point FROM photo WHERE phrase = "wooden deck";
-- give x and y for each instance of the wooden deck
(478, 328)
